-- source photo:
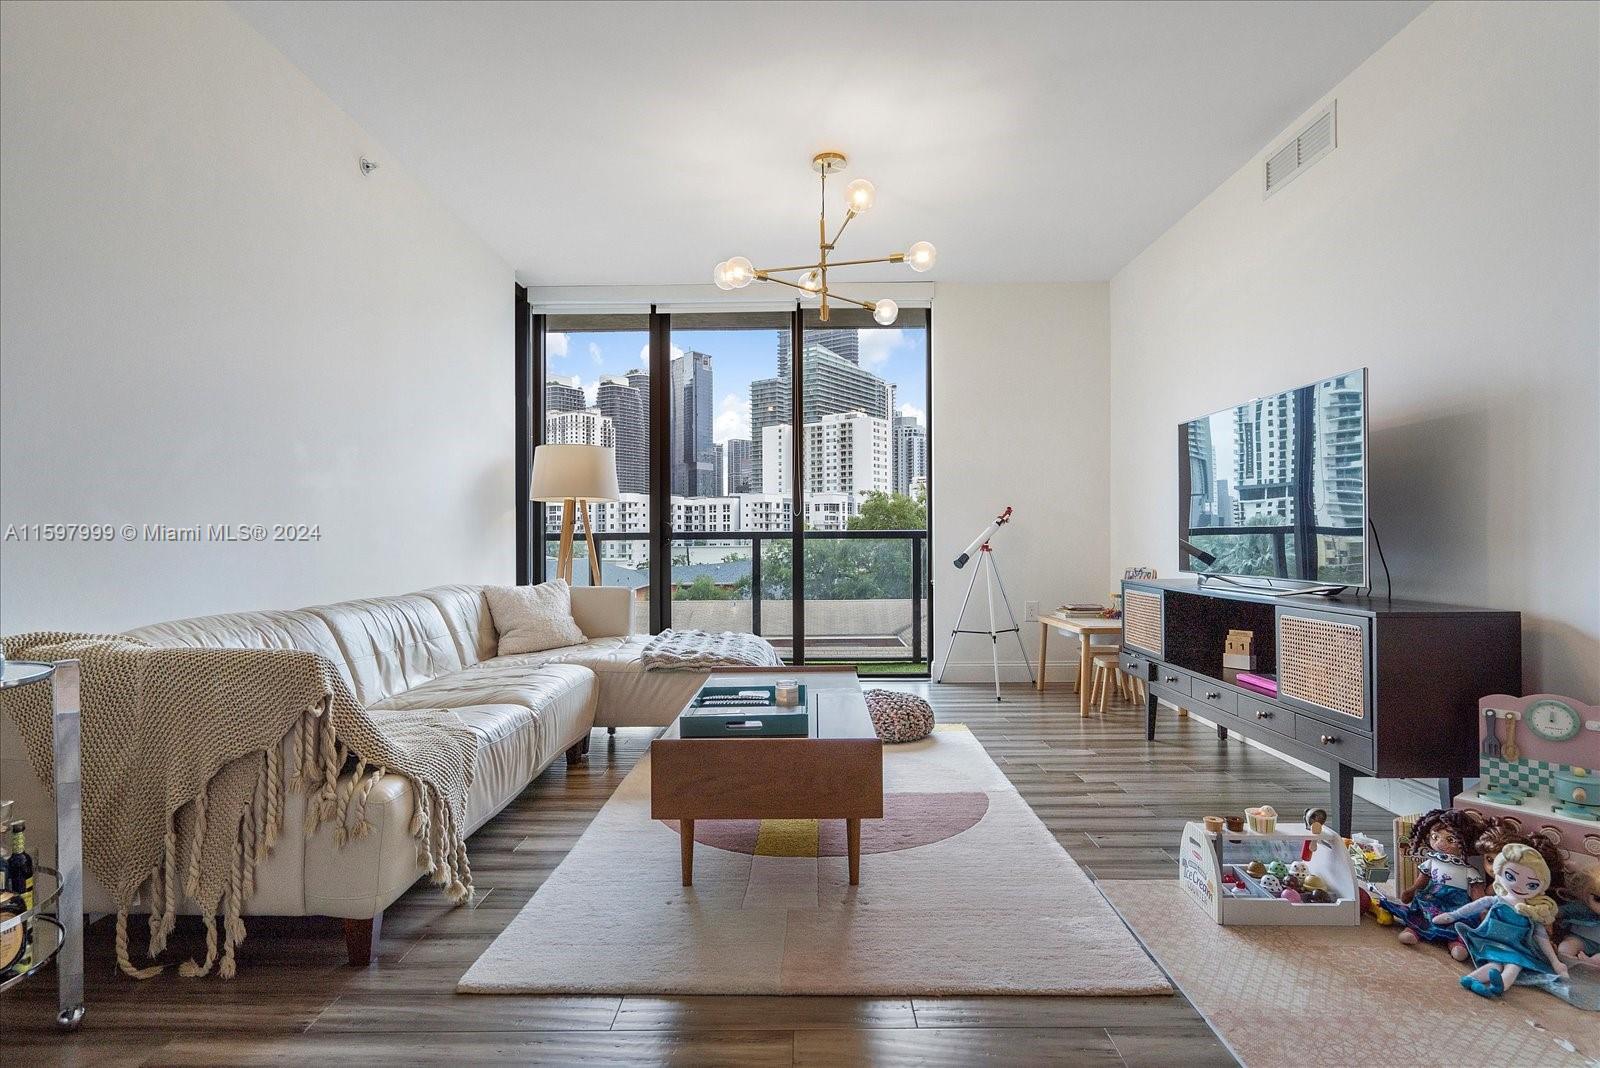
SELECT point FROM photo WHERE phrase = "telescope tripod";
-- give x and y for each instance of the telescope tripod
(991, 578)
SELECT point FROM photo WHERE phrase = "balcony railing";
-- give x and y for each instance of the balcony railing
(865, 596)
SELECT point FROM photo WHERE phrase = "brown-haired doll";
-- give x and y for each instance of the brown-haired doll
(1578, 921)
(1441, 842)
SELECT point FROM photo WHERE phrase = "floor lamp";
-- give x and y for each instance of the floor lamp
(574, 475)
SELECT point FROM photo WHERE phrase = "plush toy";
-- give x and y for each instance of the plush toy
(1578, 919)
(1513, 936)
(1440, 841)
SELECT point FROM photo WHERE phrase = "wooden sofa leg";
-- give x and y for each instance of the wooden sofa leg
(361, 939)
(578, 751)
(611, 730)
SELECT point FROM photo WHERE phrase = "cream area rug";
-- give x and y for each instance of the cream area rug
(963, 891)
(1318, 996)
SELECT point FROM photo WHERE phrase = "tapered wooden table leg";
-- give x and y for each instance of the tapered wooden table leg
(1044, 645)
(1085, 662)
(852, 831)
(686, 845)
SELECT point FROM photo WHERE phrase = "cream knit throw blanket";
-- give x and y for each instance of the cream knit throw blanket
(184, 775)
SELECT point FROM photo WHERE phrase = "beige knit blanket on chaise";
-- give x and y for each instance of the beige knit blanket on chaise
(184, 778)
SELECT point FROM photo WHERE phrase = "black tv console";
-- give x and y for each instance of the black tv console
(1366, 685)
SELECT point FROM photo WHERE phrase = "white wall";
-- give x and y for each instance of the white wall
(1451, 243)
(1020, 375)
(210, 316)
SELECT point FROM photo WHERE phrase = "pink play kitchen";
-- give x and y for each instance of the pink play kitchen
(1539, 759)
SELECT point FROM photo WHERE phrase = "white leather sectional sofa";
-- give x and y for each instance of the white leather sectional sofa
(432, 649)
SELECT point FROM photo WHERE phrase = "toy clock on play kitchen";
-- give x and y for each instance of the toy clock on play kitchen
(1554, 721)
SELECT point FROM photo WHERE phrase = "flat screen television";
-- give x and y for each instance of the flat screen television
(1276, 488)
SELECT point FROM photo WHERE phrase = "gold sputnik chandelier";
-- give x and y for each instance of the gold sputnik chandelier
(859, 196)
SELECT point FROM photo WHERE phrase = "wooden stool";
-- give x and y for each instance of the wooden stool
(1105, 671)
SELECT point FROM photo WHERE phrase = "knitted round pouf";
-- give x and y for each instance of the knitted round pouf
(899, 717)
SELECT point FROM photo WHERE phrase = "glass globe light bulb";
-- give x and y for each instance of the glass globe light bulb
(921, 256)
(860, 195)
(720, 276)
(740, 272)
(811, 281)
(885, 311)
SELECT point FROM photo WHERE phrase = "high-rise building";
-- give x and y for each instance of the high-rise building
(693, 460)
(719, 478)
(587, 427)
(769, 406)
(845, 453)
(834, 384)
(740, 464)
(622, 402)
(564, 394)
(845, 343)
(910, 454)
(1264, 465)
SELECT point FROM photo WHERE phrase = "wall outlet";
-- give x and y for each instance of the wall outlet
(1030, 611)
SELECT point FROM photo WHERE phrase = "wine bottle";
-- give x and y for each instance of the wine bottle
(19, 881)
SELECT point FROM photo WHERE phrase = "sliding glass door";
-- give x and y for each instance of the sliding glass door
(774, 473)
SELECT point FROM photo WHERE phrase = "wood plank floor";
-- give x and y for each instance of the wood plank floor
(1116, 802)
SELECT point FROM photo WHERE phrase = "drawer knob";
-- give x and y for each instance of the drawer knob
(1263, 715)
(1329, 739)
(1172, 678)
(1212, 695)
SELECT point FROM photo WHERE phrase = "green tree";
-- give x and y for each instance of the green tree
(891, 511)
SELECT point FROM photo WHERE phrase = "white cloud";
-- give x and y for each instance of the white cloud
(878, 345)
(596, 355)
(644, 354)
(912, 411)
(733, 418)
(555, 345)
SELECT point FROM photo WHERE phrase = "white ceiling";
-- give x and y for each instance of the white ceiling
(600, 143)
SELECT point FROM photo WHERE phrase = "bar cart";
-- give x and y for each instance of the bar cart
(57, 913)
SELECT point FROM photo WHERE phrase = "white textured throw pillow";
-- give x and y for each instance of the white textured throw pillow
(531, 619)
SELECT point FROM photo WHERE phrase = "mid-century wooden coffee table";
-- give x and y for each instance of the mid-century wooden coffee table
(835, 773)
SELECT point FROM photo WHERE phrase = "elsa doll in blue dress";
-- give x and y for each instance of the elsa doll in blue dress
(1514, 934)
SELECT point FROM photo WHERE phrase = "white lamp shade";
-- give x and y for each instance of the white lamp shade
(584, 471)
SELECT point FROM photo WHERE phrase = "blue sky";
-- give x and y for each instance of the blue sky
(738, 357)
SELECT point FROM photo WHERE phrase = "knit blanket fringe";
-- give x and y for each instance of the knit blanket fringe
(252, 788)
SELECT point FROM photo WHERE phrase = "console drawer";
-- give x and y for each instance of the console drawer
(1135, 665)
(1339, 744)
(1213, 695)
(1170, 678)
(1268, 716)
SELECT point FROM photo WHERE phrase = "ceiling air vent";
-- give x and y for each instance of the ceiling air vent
(1309, 145)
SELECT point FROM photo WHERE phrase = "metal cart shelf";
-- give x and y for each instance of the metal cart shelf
(58, 914)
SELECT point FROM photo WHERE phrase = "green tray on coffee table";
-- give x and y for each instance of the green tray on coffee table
(769, 720)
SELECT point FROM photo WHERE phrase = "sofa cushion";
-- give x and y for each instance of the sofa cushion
(466, 615)
(531, 619)
(629, 695)
(524, 716)
(300, 630)
(391, 643)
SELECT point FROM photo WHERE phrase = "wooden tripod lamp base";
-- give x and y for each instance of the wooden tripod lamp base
(571, 507)
(575, 475)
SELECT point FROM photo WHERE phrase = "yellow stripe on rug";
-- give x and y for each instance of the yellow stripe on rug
(787, 838)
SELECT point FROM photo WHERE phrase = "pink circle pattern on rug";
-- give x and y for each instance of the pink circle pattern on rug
(909, 822)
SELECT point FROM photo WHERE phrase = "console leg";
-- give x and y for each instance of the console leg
(1150, 703)
(1448, 788)
(1341, 797)
(1222, 733)
(361, 939)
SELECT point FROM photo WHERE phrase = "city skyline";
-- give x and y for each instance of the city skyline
(741, 357)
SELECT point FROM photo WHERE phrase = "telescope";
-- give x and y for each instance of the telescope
(991, 580)
(982, 540)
